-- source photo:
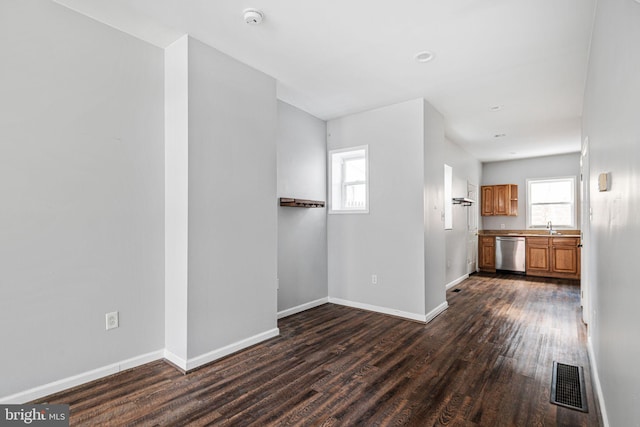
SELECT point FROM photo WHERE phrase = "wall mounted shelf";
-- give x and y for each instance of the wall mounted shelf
(462, 201)
(301, 203)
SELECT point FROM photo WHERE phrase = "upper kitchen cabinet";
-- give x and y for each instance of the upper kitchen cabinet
(500, 200)
(487, 200)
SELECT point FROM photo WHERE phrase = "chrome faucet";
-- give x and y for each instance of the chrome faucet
(550, 227)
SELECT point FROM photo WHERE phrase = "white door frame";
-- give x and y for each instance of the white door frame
(585, 232)
(472, 229)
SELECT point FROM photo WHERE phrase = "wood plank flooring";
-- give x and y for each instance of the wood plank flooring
(486, 361)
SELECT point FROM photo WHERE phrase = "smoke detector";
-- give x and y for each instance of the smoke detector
(253, 16)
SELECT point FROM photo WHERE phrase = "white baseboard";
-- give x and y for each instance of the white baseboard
(436, 311)
(231, 348)
(378, 309)
(187, 365)
(595, 378)
(455, 282)
(114, 368)
(178, 361)
(302, 307)
(66, 383)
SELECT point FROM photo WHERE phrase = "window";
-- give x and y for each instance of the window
(349, 174)
(551, 199)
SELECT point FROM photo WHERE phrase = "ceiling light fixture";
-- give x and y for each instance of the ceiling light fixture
(424, 56)
(253, 16)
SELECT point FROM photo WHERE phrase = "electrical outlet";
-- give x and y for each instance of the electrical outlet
(112, 320)
(374, 279)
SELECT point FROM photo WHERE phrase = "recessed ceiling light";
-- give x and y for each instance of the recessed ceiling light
(495, 108)
(424, 56)
(252, 16)
(499, 135)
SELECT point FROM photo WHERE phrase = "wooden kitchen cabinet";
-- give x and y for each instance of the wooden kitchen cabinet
(553, 257)
(537, 257)
(565, 257)
(487, 200)
(487, 253)
(499, 200)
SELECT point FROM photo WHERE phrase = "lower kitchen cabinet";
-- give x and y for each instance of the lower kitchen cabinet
(553, 257)
(487, 253)
(537, 258)
(545, 256)
(565, 257)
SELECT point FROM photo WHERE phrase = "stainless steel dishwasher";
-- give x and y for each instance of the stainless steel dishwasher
(510, 254)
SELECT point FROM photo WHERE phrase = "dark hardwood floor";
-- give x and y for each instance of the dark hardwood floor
(486, 361)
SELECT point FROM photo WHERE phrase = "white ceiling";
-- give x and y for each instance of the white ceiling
(336, 57)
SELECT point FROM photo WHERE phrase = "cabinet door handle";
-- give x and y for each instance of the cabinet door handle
(580, 245)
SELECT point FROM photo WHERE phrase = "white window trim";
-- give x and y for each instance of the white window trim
(575, 203)
(330, 183)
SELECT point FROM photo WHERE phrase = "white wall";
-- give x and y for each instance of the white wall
(610, 122)
(433, 208)
(517, 172)
(82, 231)
(232, 201)
(302, 233)
(81, 183)
(401, 239)
(388, 241)
(176, 199)
(466, 168)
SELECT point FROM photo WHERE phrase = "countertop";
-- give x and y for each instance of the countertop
(529, 233)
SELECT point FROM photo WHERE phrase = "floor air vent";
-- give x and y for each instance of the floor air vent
(567, 387)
